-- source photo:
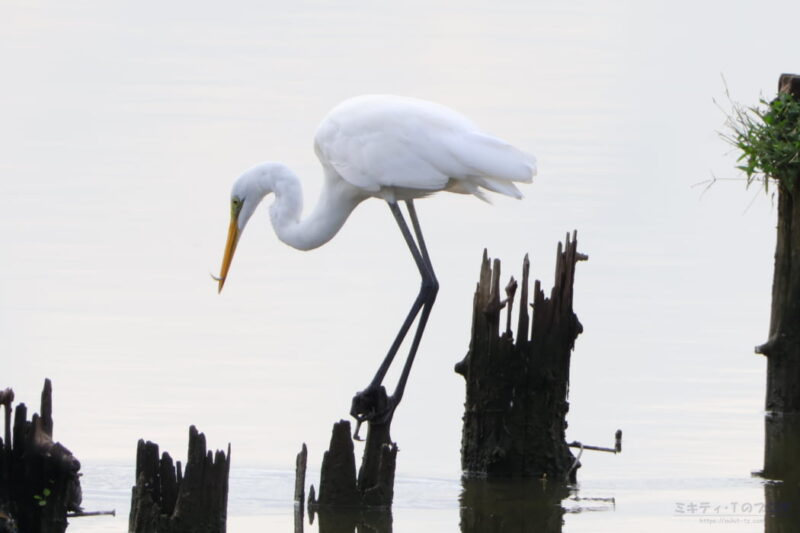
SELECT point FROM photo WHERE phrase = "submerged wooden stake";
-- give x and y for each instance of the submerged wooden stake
(516, 390)
(39, 478)
(166, 499)
(782, 422)
(300, 476)
(340, 488)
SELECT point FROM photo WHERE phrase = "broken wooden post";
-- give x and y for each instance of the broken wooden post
(39, 478)
(782, 420)
(166, 499)
(300, 487)
(300, 476)
(346, 501)
(376, 475)
(516, 390)
(374, 487)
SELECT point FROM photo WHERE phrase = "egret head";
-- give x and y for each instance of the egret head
(248, 191)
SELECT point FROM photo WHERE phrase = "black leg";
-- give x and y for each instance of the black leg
(421, 241)
(430, 287)
(416, 306)
(372, 402)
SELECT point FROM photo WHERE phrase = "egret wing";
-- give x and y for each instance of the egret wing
(375, 142)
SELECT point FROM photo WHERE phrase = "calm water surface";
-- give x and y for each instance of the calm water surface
(124, 124)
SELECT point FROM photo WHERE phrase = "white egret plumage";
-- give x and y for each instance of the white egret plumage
(389, 147)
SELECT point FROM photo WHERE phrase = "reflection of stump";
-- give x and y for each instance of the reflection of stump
(39, 479)
(165, 500)
(516, 405)
(782, 428)
(782, 507)
(500, 506)
(364, 520)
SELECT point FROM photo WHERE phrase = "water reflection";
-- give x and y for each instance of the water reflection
(486, 507)
(782, 507)
(507, 506)
(347, 521)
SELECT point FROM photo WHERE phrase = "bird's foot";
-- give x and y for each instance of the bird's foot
(371, 405)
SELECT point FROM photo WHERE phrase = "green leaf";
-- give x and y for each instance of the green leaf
(768, 139)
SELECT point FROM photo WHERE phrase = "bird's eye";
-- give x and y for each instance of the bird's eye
(236, 206)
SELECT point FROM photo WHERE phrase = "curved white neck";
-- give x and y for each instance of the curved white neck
(337, 200)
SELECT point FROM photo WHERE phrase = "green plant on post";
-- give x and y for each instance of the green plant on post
(42, 499)
(768, 137)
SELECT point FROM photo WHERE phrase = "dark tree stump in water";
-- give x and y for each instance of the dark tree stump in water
(782, 422)
(39, 478)
(300, 488)
(348, 503)
(300, 476)
(516, 391)
(337, 478)
(165, 500)
(376, 475)
(339, 488)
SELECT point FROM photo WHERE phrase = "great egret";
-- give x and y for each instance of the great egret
(388, 147)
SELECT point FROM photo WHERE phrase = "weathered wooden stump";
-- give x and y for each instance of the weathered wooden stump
(516, 390)
(374, 487)
(39, 478)
(167, 500)
(782, 421)
(500, 506)
(300, 487)
(348, 502)
(300, 476)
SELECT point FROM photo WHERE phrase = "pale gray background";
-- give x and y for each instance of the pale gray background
(124, 124)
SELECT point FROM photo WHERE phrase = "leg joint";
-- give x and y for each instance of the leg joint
(431, 284)
(430, 287)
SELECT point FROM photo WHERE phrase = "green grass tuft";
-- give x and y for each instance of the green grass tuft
(768, 137)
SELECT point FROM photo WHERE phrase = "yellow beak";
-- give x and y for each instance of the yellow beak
(230, 248)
